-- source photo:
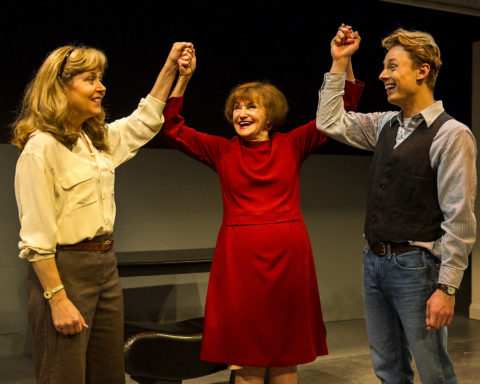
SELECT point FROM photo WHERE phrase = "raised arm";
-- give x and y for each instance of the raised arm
(186, 69)
(198, 145)
(355, 129)
(179, 57)
(127, 135)
(345, 43)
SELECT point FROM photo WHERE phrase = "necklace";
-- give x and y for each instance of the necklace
(403, 129)
(84, 139)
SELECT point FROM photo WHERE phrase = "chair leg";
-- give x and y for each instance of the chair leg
(232, 377)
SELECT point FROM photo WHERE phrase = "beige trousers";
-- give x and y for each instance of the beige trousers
(94, 355)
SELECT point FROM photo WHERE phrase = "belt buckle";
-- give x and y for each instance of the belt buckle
(384, 249)
(106, 245)
(381, 249)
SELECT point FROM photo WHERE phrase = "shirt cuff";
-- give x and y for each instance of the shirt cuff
(334, 80)
(150, 112)
(33, 257)
(450, 276)
(153, 99)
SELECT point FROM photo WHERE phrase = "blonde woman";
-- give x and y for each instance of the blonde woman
(64, 189)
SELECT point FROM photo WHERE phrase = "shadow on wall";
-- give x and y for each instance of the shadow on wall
(159, 304)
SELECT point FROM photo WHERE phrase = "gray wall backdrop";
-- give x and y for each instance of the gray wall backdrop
(165, 200)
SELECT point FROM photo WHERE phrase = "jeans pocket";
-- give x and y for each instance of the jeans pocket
(415, 260)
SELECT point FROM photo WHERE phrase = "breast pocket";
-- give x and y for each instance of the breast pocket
(79, 186)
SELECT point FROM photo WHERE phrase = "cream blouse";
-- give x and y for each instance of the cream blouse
(66, 196)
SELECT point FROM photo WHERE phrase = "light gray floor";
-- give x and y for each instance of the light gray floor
(347, 363)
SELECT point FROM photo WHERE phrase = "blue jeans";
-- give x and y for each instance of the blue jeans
(396, 289)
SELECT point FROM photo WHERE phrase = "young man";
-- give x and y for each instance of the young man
(420, 225)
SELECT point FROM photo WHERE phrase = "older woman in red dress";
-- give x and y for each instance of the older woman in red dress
(263, 308)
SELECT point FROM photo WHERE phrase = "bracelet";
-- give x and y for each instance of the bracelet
(48, 294)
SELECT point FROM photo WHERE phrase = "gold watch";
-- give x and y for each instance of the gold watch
(450, 291)
(48, 294)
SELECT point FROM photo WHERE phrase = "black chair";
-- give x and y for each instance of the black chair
(166, 353)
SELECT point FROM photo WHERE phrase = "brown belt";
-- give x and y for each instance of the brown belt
(88, 245)
(381, 249)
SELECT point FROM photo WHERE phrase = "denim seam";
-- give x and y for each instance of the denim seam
(424, 267)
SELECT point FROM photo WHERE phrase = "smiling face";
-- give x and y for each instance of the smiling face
(249, 120)
(85, 93)
(400, 76)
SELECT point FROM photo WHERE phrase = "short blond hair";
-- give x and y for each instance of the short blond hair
(45, 105)
(266, 94)
(421, 47)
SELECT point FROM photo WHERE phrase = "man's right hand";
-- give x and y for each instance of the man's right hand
(345, 43)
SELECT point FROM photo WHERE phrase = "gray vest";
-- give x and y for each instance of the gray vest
(402, 200)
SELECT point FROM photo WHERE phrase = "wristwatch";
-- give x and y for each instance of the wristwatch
(450, 291)
(48, 294)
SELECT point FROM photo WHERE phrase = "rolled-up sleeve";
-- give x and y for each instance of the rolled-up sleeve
(127, 135)
(36, 208)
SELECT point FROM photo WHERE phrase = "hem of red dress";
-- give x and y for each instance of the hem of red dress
(249, 363)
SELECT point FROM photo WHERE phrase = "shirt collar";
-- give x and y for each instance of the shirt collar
(428, 114)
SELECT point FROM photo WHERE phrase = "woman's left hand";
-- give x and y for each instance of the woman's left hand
(187, 62)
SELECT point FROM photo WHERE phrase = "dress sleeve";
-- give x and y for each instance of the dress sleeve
(198, 145)
(352, 95)
(308, 138)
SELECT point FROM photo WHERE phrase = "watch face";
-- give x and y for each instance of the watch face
(47, 294)
(451, 290)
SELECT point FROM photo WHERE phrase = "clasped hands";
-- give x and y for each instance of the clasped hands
(182, 55)
(345, 43)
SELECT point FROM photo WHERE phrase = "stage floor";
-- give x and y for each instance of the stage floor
(347, 363)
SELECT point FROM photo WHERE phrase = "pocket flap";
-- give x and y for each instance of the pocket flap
(76, 176)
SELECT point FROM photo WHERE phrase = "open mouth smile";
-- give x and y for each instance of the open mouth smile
(390, 87)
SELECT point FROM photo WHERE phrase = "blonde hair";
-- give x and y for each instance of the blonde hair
(421, 47)
(45, 105)
(266, 94)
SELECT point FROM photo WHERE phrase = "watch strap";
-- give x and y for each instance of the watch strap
(447, 289)
(48, 293)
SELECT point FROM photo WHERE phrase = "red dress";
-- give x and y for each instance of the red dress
(262, 306)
